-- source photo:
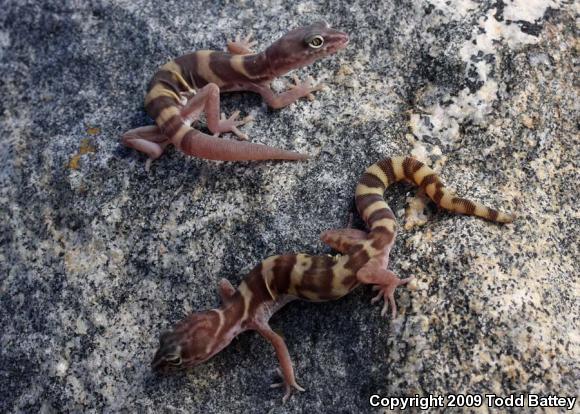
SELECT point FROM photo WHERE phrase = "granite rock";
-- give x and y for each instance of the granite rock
(98, 255)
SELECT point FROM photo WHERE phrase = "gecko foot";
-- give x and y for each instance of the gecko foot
(149, 140)
(290, 388)
(387, 292)
(241, 46)
(232, 123)
(307, 86)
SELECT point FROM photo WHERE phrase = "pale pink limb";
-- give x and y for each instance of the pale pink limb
(233, 121)
(241, 46)
(226, 289)
(207, 100)
(148, 139)
(343, 239)
(300, 90)
(287, 371)
(386, 283)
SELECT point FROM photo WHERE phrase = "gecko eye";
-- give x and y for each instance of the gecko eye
(315, 41)
(173, 359)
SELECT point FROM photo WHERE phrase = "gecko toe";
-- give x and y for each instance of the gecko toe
(239, 134)
(386, 290)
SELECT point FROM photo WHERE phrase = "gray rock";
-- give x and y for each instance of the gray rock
(98, 256)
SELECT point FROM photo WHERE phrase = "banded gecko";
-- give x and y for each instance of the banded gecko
(191, 84)
(283, 278)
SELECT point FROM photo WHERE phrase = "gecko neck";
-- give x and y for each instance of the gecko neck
(231, 321)
(259, 67)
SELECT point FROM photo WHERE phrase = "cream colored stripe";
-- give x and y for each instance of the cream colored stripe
(237, 62)
(362, 189)
(398, 167)
(339, 273)
(505, 218)
(268, 274)
(203, 69)
(247, 296)
(160, 90)
(171, 66)
(387, 223)
(376, 170)
(377, 205)
(421, 173)
(210, 344)
(446, 200)
(371, 251)
(178, 137)
(166, 115)
(303, 263)
(310, 295)
(431, 189)
(174, 68)
(480, 210)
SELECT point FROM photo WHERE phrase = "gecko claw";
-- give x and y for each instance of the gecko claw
(290, 388)
(307, 86)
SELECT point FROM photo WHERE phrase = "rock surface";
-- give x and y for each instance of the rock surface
(98, 256)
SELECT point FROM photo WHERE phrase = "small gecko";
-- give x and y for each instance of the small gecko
(191, 84)
(281, 279)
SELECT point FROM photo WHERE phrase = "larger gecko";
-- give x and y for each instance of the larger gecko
(280, 279)
(191, 84)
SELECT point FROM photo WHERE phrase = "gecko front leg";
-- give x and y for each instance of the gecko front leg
(385, 281)
(241, 46)
(207, 100)
(300, 89)
(287, 371)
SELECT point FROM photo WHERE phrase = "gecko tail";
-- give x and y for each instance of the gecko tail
(200, 145)
(374, 210)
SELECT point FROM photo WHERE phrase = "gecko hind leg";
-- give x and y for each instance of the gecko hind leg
(286, 370)
(207, 100)
(148, 139)
(342, 240)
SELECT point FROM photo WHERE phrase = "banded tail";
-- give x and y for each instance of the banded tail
(375, 211)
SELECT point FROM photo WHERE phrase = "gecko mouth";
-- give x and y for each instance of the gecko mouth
(339, 41)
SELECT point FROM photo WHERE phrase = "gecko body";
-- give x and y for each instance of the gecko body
(281, 279)
(191, 84)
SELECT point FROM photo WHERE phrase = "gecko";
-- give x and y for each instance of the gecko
(280, 279)
(191, 84)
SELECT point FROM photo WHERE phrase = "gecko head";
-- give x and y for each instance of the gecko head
(304, 45)
(192, 341)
